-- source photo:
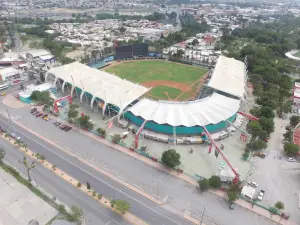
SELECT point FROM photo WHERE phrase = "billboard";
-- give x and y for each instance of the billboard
(131, 51)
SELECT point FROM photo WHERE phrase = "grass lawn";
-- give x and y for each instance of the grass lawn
(297, 54)
(150, 70)
(158, 91)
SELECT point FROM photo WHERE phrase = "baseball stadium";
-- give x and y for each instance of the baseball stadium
(163, 96)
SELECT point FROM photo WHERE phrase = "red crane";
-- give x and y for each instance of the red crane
(68, 97)
(212, 142)
(138, 134)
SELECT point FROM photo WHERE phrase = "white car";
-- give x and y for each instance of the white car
(12, 135)
(253, 184)
(261, 195)
(19, 139)
(291, 160)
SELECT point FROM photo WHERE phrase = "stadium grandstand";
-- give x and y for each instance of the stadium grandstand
(107, 91)
(227, 81)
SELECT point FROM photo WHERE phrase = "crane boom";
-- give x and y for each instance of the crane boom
(138, 133)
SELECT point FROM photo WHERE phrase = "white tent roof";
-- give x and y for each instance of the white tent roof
(229, 76)
(108, 87)
(210, 110)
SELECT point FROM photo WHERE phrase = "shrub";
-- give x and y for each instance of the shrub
(203, 184)
(215, 182)
(99, 196)
(78, 184)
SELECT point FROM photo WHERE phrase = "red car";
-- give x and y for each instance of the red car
(38, 115)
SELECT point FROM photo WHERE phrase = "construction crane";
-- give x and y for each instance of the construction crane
(136, 143)
(240, 129)
(213, 143)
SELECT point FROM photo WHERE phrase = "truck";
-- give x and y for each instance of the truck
(260, 154)
(261, 195)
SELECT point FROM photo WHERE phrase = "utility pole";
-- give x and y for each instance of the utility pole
(202, 216)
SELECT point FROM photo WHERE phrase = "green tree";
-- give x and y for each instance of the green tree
(88, 186)
(171, 158)
(28, 167)
(266, 111)
(40, 96)
(232, 195)
(203, 184)
(288, 136)
(279, 205)
(254, 128)
(267, 124)
(101, 131)
(294, 120)
(263, 135)
(121, 206)
(215, 182)
(116, 138)
(291, 149)
(84, 122)
(256, 145)
(77, 215)
(73, 112)
(2, 154)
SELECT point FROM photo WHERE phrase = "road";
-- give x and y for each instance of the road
(66, 193)
(143, 208)
(180, 195)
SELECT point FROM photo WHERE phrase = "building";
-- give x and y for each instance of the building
(9, 74)
(296, 94)
(100, 89)
(227, 88)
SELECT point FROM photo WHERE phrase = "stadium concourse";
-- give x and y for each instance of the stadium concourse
(216, 110)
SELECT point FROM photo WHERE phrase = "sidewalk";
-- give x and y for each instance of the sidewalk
(161, 167)
(190, 180)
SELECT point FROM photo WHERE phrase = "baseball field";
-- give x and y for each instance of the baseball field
(169, 80)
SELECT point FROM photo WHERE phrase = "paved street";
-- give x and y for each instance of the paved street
(180, 195)
(278, 177)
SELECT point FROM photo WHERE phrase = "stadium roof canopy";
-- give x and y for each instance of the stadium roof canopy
(110, 88)
(211, 110)
(229, 76)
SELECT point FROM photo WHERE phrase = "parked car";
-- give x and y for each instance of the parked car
(12, 135)
(19, 139)
(232, 205)
(261, 195)
(39, 114)
(3, 129)
(253, 184)
(291, 160)
(68, 128)
(32, 110)
(35, 112)
(260, 154)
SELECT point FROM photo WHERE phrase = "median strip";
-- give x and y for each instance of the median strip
(105, 173)
(102, 200)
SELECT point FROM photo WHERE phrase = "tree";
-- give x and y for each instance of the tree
(254, 128)
(122, 29)
(266, 111)
(40, 96)
(101, 131)
(28, 167)
(195, 42)
(215, 181)
(73, 112)
(263, 135)
(2, 154)
(121, 206)
(294, 120)
(232, 195)
(288, 136)
(84, 122)
(267, 124)
(279, 205)
(88, 186)
(203, 184)
(77, 214)
(256, 145)
(116, 138)
(171, 158)
(291, 149)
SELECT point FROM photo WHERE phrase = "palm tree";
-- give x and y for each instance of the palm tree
(28, 167)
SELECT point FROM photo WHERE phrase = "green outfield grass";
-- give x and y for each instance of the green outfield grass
(297, 54)
(156, 70)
